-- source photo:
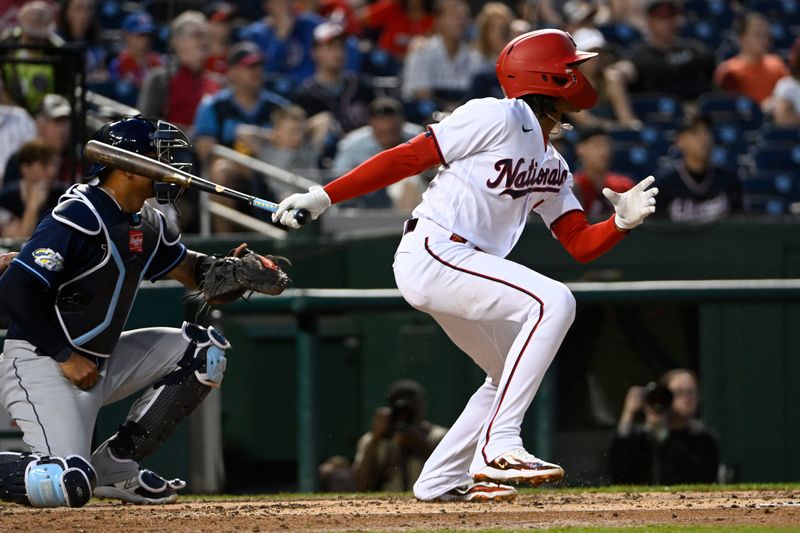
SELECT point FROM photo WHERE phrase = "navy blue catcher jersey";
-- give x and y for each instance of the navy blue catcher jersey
(89, 257)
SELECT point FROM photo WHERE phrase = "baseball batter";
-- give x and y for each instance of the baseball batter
(69, 292)
(496, 166)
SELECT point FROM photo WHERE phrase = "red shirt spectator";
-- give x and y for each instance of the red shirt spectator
(594, 156)
(753, 72)
(399, 21)
(137, 58)
(592, 200)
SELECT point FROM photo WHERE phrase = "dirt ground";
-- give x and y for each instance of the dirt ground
(533, 510)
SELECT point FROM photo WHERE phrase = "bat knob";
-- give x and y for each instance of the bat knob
(302, 216)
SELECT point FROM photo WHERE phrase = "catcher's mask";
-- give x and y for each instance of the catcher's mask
(544, 62)
(160, 140)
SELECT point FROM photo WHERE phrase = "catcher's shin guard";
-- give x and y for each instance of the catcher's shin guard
(46, 481)
(178, 394)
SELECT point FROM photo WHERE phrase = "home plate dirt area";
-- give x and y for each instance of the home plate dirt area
(536, 509)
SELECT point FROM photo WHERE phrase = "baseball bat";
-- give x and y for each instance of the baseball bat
(122, 159)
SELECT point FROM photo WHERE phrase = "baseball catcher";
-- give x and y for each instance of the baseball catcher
(69, 291)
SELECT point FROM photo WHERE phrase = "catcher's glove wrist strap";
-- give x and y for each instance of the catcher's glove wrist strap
(201, 266)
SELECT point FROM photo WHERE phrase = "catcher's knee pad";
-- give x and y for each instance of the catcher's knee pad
(179, 393)
(46, 481)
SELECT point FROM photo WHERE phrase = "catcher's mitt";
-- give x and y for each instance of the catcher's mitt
(224, 279)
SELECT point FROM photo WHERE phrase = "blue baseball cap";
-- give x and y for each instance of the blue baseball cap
(139, 22)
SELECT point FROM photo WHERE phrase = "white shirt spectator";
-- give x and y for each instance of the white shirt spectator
(361, 144)
(16, 128)
(788, 88)
(431, 67)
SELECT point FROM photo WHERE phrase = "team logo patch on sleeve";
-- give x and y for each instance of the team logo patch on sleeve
(49, 259)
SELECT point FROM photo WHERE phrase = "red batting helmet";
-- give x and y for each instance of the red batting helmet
(542, 62)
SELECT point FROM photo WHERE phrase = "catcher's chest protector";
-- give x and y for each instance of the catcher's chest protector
(93, 306)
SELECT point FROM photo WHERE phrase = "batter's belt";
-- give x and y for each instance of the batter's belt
(411, 224)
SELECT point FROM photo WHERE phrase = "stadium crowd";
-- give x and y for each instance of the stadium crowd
(704, 94)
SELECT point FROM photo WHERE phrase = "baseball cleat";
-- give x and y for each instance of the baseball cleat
(519, 466)
(145, 488)
(479, 492)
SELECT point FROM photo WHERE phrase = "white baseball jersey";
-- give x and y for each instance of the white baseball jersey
(497, 169)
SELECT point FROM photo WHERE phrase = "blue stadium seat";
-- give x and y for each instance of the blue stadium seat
(786, 10)
(778, 156)
(783, 34)
(634, 160)
(770, 191)
(661, 110)
(704, 31)
(729, 108)
(620, 34)
(780, 135)
(718, 12)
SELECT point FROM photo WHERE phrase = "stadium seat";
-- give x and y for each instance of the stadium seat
(770, 192)
(778, 156)
(633, 160)
(780, 135)
(718, 12)
(785, 10)
(729, 108)
(661, 110)
(620, 34)
(704, 31)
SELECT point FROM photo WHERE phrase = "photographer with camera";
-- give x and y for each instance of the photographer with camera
(659, 440)
(390, 457)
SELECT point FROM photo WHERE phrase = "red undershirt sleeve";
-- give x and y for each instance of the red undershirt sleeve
(385, 168)
(586, 242)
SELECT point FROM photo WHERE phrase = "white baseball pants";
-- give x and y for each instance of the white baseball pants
(509, 319)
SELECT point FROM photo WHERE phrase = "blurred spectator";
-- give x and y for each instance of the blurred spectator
(579, 14)
(52, 126)
(692, 188)
(659, 440)
(664, 63)
(753, 71)
(137, 58)
(27, 83)
(541, 13)
(601, 114)
(593, 175)
(493, 31)
(398, 22)
(786, 97)
(333, 90)
(16, 127)
(220, 29)
(78, 24)
(174, 91)
(336, 475)
(286, 39)
(390, 457)
(442, 67)
(244, 101)
(290, 147)
(386, 129)
(23, 202)
(245, 104)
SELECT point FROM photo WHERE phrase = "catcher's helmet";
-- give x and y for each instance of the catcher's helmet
(542, 62)
(160, 140)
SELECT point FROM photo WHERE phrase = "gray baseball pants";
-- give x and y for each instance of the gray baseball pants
(57, 418)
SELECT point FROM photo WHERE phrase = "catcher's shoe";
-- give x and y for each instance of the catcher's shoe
(519, 466)
(145, 488)
(479, 492)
